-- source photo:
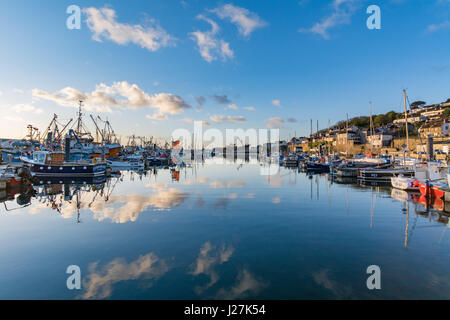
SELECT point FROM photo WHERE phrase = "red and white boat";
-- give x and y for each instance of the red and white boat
(432, 189)
(421, 172)
(432, 182)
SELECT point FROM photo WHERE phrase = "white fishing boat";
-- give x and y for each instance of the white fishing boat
(125, 165)
(404, 183)
(431, 171)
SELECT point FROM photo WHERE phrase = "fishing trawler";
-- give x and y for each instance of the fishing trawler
(384, 174)
(349, 169)
(49, 163)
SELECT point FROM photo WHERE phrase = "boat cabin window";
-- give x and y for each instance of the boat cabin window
(39, 157)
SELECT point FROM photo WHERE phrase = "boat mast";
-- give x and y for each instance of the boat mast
(406, 121)
(371, 127)
(347, 137)
(79, 121)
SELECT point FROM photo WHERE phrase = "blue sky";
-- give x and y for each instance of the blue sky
(258, 63)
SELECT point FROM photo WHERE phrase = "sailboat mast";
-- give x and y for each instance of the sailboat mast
(406, 120)
(347, 136)
(371, 127)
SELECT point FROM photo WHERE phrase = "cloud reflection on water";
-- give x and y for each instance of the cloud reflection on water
(208, 259)
(120, 208)
(99, 283)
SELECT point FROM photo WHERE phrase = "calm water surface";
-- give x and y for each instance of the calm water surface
(222, 232)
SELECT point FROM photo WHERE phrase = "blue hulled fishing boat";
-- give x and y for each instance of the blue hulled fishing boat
(52, 164)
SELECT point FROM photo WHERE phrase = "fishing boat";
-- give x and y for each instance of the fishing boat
(12, 157)
(125, 165)
(47, 163)
(422, 171)
(350, 169)
(384, 174)
(432, 189)
(290, 161)
(431, 180)
(404, 183)
(14, 175)
(317, 167)
(158, 159)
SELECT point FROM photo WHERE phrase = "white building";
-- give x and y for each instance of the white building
(433, 113)
(379, 140)
(411, 120)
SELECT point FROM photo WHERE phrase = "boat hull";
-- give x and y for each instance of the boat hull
(431, 190)
(317, 167)
(75, 170)
(93, 180)
(404, 183)
(119, 165)
(382, 175)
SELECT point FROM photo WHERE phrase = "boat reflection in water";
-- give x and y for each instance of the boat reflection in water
(221, 231)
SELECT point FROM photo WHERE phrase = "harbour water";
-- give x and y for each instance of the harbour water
(214, 231)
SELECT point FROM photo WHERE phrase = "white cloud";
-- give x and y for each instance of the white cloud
(19, 91)
(221, 119)
(274, 123)
(118, 95)
(246, 21)
(275, 120)
(157, 116)
(1, 93)
(27, 108)
(439, 26)
(204, 123)
(276, 103)
(14, 118)
(102, 22)
(236, 107)
(342, 13)
(209, 45)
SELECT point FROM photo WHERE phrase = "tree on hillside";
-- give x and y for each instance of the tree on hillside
(447, 112)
